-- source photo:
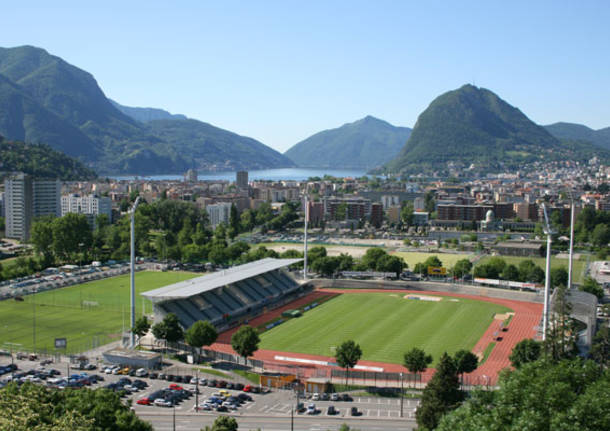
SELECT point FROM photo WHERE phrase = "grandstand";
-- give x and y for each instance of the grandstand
(228, 297)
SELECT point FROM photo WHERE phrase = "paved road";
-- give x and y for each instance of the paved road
(165, 422)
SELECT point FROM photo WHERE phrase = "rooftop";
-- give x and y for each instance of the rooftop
(205, 283)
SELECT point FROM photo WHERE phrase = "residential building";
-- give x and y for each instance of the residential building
(376, 214)
(420, 218)
(315, 213)
(242, 179)
(26, 199)
(91, 206)
(462, 212)
(218, 213)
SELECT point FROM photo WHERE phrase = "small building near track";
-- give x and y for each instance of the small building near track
(133, 358)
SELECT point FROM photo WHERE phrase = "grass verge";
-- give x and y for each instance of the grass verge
(487, 352)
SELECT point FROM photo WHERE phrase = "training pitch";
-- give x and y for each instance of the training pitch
(385, 325)
(88, 314)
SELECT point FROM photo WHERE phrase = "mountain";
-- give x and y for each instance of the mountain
(363, 144)
(578, 132)
(43, 99)
(213, 148)
(41, 161)
(145, 115)
(473, 126)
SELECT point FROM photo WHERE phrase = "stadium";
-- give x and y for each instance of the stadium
(302, 322)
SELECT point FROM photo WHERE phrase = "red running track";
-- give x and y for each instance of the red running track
(523, 325)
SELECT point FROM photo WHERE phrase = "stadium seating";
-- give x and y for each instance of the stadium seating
(247, 296)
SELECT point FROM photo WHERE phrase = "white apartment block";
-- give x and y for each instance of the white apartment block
(91, 206)
(218, 213)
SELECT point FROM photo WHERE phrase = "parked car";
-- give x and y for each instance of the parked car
(247, 388)
(334, 396)
(161, 402)
(144, 401)
(332, 411)
(346, 397)
(354, 411)
(141, 372)
(315, 396)
(311, 409)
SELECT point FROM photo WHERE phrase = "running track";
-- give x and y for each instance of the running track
(527, 317)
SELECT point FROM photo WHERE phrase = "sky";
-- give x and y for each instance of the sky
(280, 71)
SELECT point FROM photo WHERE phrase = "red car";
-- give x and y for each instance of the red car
(248, 388)
(175, 387)
(144, 401)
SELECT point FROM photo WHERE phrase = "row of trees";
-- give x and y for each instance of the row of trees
(375, 259)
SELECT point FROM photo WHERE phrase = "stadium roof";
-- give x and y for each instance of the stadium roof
(205, 283)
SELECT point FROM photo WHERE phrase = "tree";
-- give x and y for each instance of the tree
(245, 341)
(41, 236)
(234, 220)
(347, 356)
(417, 361)
(168, 329)
(593, 287)
(372, 256)
(441, 395)
(525, 351)
(600, 349)
(141, 327)
(465, 362)
(569, 395)
(600, 235)
(461, 268)
(406, 214)
(326, 266)
(247, 220)
(223, 423)
(69, 232)
(510, 272)
(389, 263)
(201, 333)
(559, 276)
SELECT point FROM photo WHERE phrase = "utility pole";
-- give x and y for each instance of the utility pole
(132, 213)
(34, 320)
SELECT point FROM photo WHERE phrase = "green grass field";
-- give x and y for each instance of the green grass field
(58, 313)
(413, 258)
(385, 325)
(579, 265)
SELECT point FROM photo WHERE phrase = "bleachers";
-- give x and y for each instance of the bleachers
(244, 296)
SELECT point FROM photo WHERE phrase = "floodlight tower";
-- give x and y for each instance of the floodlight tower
(570, 262)
(305, 235)
(132, 266)
(547, 282)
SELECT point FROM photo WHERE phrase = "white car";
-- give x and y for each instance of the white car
(194, 381)
(141, 372)
(163, 403)
(311, 409)
(315, 396)
(334, 396)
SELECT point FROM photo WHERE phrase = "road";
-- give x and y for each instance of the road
(195, 422)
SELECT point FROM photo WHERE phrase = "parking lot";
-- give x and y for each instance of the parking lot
(275, 403)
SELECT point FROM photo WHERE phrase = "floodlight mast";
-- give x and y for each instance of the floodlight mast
(132, 213)
(547, 281)
(305, 236)
(571, 261)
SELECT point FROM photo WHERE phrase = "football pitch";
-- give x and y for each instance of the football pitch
(88, 314)
(386, 325)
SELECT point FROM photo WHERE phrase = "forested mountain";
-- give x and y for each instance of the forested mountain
(474, 128)
(42, 161)
(366, 143)
(578, 132)
(43, 99)
(144, 115)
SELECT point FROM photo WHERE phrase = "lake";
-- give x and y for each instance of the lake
(290, 174)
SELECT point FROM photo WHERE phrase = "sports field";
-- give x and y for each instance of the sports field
(385, 325)
(87, 314)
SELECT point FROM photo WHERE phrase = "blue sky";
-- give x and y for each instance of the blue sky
(280, 71)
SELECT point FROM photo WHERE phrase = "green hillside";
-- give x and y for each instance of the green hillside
(42, 161)
(366, 143)
(144, 115)
(578, 132)
(43, 99)
(473, 127)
